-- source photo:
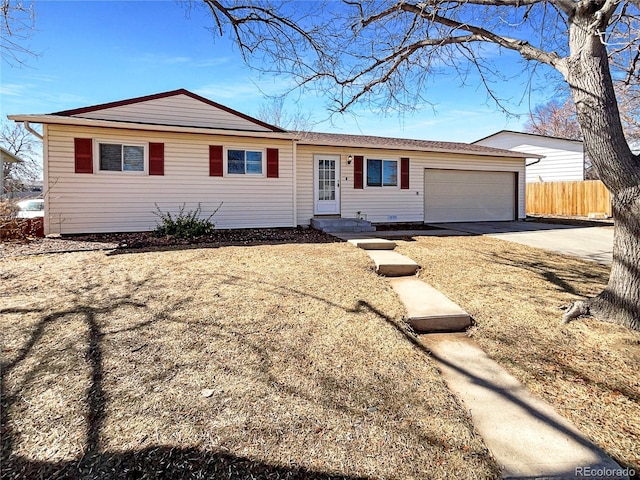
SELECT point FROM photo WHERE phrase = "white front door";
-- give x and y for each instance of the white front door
(326, 174)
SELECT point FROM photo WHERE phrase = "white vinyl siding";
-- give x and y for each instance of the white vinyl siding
(179, 110)
(382, 205)
(563, 159)
(468, 196)
(84, 203)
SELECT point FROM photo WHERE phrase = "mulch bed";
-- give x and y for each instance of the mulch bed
(148, 240)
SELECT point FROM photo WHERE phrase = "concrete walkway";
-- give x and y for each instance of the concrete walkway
(525, 435)
(428, 310)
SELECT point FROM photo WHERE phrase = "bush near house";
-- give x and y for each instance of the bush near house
(184, 224)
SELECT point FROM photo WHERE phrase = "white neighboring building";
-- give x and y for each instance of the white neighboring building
(563, 159)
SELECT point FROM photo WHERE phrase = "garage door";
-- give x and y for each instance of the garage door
(468, 196)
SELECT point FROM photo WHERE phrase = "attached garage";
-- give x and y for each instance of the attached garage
(469, 195)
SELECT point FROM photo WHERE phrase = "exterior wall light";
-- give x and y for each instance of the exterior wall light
(349, 159)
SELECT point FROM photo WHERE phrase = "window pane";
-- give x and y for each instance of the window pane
(374, 173)
(133, 159)
(390, 173)
(254, 162)
(110, 157)
(235, 161)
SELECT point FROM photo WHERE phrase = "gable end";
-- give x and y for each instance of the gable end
(125, 111)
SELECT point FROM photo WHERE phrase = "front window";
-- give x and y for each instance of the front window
(382, 173)
(116, 157)
(244, 162)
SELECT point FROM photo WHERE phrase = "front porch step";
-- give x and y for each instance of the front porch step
(392, 264)
(428, 310)
(336, 225)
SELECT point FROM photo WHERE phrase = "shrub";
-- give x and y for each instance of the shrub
(184, 224)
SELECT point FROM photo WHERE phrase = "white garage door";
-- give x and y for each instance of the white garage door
(468, 196)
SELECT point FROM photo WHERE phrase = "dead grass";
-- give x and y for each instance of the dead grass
(305, 366)
(588, 370)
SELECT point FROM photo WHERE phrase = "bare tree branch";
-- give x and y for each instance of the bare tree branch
(16, 28)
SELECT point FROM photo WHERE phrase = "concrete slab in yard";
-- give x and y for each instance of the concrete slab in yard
(392, 264)
(428, 310)
(373, 243)
(588, 243)
(526, 436)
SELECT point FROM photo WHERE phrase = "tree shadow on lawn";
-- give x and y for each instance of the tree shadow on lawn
(162, 461)
(152, 462)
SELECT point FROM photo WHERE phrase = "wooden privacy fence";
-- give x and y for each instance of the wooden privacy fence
(568, 198)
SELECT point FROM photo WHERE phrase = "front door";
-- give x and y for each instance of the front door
(326, 173)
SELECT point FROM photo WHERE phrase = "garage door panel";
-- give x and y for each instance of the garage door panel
(467, 196)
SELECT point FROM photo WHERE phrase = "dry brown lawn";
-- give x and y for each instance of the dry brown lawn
(588, 370)
(281, 361)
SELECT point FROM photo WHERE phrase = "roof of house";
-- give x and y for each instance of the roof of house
(390, 143)
(8, 157)
(118, 115)
(509, 132)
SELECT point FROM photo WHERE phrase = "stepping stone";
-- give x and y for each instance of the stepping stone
(373, 243)
(428, 310)
(392, 264)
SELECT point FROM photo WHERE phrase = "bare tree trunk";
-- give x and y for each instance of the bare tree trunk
(591, 86)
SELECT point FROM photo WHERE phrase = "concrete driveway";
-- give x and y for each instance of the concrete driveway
(589, 243)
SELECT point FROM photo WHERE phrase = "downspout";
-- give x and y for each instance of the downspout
(28, 128)
(294, 153)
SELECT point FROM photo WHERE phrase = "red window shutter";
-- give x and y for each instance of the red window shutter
(272, 163)
(215, 161)
(404, 173)
(156, 159)
(358, 161)
(83, 151)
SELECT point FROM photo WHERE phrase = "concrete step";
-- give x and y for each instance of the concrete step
(333, 225)
(428, 310)
(392, 264)
(373, 243)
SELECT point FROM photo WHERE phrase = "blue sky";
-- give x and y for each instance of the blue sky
(102, 51)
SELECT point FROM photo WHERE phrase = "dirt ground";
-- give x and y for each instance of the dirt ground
(265, 361)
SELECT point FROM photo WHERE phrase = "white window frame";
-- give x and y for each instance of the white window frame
(96, 156)
(365, 168)
(263, 152)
